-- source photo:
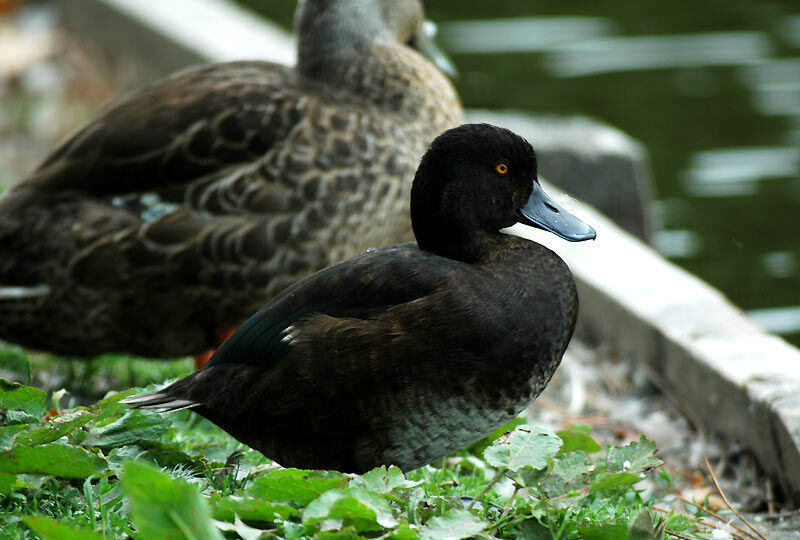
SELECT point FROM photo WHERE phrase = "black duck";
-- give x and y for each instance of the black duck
(406, 353)
(177, 212)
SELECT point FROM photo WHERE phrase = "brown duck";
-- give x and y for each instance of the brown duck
(406, 353)
(184, 206)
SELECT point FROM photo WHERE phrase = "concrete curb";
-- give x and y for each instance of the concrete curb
(161, 37)
(738, 380)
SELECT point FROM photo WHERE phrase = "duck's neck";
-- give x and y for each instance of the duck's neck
(333, 34)
(350, 52)
(477, 248)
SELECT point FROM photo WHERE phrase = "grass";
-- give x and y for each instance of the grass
(104, 471)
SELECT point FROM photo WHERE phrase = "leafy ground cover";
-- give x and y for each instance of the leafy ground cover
(106, 471)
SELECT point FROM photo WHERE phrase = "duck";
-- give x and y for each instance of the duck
(406, 353)
(170, 218)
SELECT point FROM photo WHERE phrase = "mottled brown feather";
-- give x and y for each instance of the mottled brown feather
(183, 207)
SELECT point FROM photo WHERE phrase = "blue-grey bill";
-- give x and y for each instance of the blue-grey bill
(542, 212)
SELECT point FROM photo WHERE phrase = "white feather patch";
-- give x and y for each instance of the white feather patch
(525, 231)
(19, 293)
(290, 334)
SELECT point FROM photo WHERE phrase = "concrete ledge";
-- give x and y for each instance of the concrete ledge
(160, 37)
(738, 380)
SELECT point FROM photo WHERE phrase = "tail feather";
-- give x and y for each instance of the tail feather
(159, 400)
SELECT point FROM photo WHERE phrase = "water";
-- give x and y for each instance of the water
(711, 87)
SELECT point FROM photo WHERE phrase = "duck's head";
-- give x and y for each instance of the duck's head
(474, 182)
(331, 29)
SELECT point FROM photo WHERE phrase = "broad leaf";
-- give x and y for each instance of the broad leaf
(111, 408)
(404, 531)
(355, 507)
(245, 532)
(8, 483)
(568, 478)
(135, 427)
(578, 438)
(635, 458)
(60, 460)
(526, 446)
(54, 429)
(161, 507)
(294, 485)
(16, 396)
(348, 533)
(50, 529)
(608, 480)
(248, 508)
(453, 525)
(383, 480)
(9, 433)
(480, 446)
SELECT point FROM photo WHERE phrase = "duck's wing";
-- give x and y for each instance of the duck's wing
(362, 293)
(225, 265)
(343, 322)
(194, 124)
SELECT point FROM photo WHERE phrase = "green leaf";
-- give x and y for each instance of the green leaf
(607, 480)
(568, 477)
(480, 446)
(16, 396)
(111, 408)
(578, 438)
(453, 525)
(60, 460)
(383, 480)
(50, 529)
(56, 428)
(164, 455)
(135, 427)
(604, 532)
(9, 433)
(404, 531)
(636, 458)
(526, 446)
(348, 533)
(248, 509)
(355, 507)
(8, 483)
(245, 532)
(17, 417)
(161, 507)
(294, 485)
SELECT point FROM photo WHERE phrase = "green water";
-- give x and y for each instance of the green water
(712, 88)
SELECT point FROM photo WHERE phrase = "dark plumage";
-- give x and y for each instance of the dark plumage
(406, 353)
(185, 206)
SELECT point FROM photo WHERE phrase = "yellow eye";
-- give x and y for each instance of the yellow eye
(501, 168)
